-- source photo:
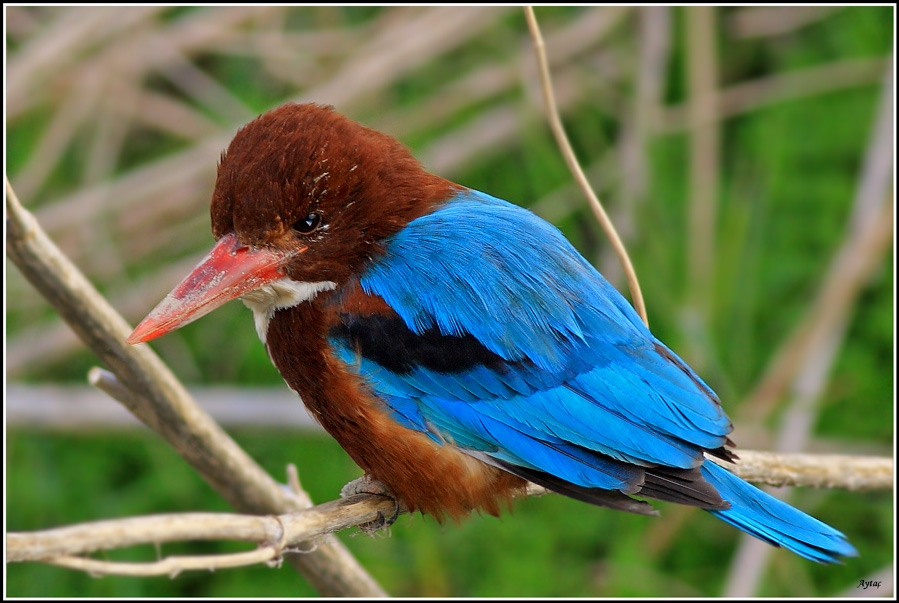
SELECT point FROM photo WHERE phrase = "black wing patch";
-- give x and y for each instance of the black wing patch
(387, 341)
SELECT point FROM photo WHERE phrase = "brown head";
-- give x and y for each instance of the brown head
(303, 199)
(305, 176)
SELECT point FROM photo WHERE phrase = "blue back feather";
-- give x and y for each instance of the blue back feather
(578, 387)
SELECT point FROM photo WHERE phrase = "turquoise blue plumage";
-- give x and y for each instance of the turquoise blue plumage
(515, 349)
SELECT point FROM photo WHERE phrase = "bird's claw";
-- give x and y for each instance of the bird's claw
(369, 485)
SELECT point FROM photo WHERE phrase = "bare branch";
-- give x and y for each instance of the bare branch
(838, 471)
(156, 397)
(277, 535)
(290, 532)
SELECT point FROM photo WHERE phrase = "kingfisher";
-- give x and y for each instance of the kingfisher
(457, 346)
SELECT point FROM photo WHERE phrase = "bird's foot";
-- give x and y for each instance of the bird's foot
(369, 485)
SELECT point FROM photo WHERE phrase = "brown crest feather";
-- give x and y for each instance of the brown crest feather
(301, 159)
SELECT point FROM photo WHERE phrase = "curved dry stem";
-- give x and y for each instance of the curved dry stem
(558, 130)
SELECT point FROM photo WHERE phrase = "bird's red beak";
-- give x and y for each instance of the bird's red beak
(230, 270)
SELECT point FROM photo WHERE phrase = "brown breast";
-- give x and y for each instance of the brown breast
(436, 479)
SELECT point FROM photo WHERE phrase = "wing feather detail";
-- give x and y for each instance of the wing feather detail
(506, 343)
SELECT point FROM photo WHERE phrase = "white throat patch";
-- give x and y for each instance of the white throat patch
(277, 295)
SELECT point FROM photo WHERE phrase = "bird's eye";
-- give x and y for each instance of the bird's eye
(308, 224)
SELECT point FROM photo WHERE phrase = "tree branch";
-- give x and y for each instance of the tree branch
(275, 535)
(291, 532)
(837, 471)
(156, 397)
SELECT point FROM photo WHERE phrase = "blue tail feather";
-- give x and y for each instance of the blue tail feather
(777, 523)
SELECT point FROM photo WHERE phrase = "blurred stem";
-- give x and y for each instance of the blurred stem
(867, 237)
(702, 69)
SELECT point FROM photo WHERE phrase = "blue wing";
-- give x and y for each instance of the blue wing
(501, 339)
(490, 332)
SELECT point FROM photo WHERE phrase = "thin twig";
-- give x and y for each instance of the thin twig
(573, 165)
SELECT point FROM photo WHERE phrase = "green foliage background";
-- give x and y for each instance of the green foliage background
(788, 175)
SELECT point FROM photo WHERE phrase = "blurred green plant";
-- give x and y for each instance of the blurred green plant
(113, 131)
